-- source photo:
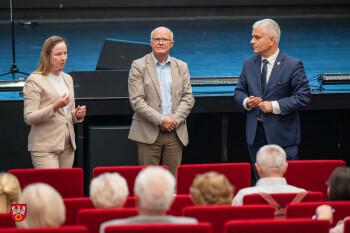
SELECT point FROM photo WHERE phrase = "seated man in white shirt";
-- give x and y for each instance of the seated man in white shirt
(271, 165)
(154, 193)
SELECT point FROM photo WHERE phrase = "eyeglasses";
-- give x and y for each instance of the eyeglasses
(158, 40)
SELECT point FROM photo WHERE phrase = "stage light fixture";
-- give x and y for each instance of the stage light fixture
(214, 81)
(334, 78)
(12, 85)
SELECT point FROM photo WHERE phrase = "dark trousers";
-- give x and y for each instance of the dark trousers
(260, 141)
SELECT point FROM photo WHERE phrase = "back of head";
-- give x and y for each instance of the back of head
(271, 159)
(45, 207)
(10, 190)
(270, 28)
(154, 188)
(339, 181)
(211, 188)
(109, 190)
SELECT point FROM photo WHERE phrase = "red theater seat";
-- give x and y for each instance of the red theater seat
(281, 198)
(130, 202)
(62, 229)
(218, 215)
(161, 228)
(128, 172)
(277, 226)
(73, 205)
(180, 202)
(67, 181)
(6, 220)
(347, 226)
(311, 174)
(93, 218)
(237, 173)
(342, 209)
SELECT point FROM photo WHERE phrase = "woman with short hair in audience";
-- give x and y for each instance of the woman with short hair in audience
(45, 207)
(211, 188)
(10, 190)
(109, 190)
(338, 190)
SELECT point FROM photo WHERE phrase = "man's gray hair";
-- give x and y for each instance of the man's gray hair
(109, 190)
(155, 187)
(271, 158)
(270, 28)
(171, 33)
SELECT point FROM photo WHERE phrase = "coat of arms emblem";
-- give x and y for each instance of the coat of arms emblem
(18, 212)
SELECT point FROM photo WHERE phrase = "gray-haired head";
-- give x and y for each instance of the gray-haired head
(271, 158)
(154, 188)
(162, 27)
(270, 28)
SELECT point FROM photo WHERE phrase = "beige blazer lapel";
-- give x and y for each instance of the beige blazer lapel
(176, 83)
(151, 68)
(71, 92)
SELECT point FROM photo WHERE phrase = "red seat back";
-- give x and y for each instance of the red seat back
(73, 205)
(130, 202)
(237, 173)
(347, 226)
(218, 215)
(93, 218)
(281, 198)
(311, 174)
(6, 220)
(67, 181)
(342, 209)
(62, 229)
(128, 172)
(160, 228)
(277, 226)
(180, 202)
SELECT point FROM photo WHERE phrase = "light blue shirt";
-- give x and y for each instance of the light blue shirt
(165, 83)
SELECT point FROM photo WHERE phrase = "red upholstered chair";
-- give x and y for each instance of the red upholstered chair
(237, 173)
(347, 226)
(181, 201)
(130, 202)
(67, 181)
(128, 172)
(93, 218)
(73, 205)
(311, 174)
(6, 220)
(277, 226)
(218, 215)
(342, 209)
(62, 229)
(281, 198)
(160, 228)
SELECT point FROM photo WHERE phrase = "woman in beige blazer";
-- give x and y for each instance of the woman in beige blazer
(49, 108)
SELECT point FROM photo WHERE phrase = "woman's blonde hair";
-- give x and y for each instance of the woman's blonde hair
(44, 65)
(45, 207)
(211, 188)
(10, 190)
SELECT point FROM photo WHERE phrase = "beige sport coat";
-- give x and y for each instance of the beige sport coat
(146, 101)
(47, 127)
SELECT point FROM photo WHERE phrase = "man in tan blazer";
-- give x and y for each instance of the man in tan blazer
(160, 94)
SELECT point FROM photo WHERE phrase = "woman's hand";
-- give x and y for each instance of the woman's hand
(80, 112)
(61, 102)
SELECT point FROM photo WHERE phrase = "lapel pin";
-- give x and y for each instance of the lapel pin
(278, 63)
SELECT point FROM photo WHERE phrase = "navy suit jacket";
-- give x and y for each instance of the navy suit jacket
(288, 85)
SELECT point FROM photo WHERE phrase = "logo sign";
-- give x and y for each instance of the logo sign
(18, 212)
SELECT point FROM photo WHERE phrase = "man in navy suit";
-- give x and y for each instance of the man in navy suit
(271, 89)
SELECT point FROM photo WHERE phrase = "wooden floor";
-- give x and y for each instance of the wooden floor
(210, 47)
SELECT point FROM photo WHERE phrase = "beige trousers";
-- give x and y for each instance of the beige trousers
(62, 159)
(167, 148)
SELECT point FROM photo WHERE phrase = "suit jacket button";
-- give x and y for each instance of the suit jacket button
(159, 105)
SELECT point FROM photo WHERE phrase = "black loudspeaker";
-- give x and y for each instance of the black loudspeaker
(110, 146)
(119, 54)
(91, 84)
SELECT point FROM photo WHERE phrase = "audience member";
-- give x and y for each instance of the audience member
(10, 190)
(109, 190)
(271, 165)
(154, 193)
(211, 188)
(338, 190)
(45, 207)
